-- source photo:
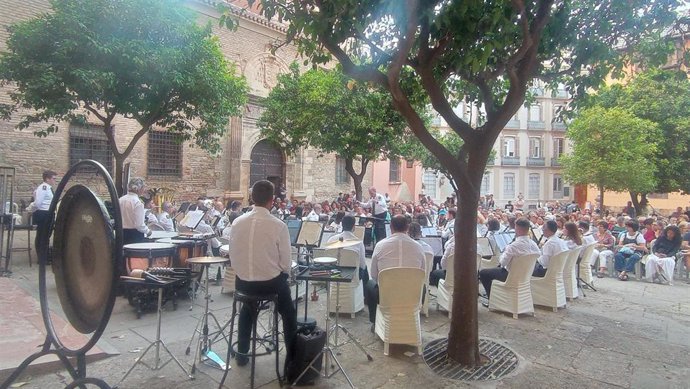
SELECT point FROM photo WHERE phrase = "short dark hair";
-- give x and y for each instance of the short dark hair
(493, 225)
(583, 224)
(48, 174)
(262, 192)
(632, 223)
(550, 225)
(348, 223)
(400, 223)
(415, 230)
(522, 223)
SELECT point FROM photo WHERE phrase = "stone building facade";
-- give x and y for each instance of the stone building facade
(185, 169)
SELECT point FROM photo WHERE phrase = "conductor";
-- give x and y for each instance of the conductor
(260, 252)
(378, 208)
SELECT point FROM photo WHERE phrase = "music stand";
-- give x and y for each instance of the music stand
(309, 237)
(294, 227)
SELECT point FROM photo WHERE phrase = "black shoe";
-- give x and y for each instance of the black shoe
(241, 360)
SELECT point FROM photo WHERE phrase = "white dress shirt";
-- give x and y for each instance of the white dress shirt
(448, 253)
(358, 248)
(376, 205)
(43, 196)
(398, 250)
(522, 245)
(588, 239)
(259, 246)
(554, 245)
(426, 247)
(166, 221)
(132, 210)
(312, 217)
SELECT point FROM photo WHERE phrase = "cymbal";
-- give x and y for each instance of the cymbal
(341, 244)
(207, 260)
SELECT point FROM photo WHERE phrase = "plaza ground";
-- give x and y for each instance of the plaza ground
(626, 335)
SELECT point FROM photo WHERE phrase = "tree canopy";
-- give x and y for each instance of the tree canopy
(486, 52)
(662, 97)
(613, 150)
(145, 60)
(331, 112)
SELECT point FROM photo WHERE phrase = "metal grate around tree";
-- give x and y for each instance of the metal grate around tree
(502, 361)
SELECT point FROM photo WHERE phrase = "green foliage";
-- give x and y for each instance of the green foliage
(329, 111)
(613, 150)
(146, 60)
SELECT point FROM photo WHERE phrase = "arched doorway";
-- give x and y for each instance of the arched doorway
(267, 163)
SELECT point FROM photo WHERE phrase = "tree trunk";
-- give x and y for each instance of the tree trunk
(601, 199)
(463, 337)
(119, 171)
(635, 202)
(356, 178)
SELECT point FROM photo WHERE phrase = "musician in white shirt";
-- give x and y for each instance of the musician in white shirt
(261, 256)
(553, 245)
(522, 245)
(398, 250)
(348, 226)
(378, 207)
(164, 218)
(132, 209)
(43, 196)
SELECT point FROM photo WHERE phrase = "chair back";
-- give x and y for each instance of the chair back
(400, 287)
(572, 260)
(349, 258)
(556, 265)
(450, 267)
(521, 269)
(429, 263)
(587, 253)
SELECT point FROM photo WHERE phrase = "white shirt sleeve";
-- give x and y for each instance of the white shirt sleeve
(285, 251)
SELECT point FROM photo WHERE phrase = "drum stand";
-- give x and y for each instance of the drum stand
(157, 344)
(204, 346)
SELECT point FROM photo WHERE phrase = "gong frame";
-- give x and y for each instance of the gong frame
(52, 344)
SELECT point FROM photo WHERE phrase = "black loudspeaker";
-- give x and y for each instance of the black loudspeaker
(308, 344)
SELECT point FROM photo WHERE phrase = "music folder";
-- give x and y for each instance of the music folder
(193, 218)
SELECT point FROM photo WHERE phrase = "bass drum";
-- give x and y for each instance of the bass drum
(82, 258)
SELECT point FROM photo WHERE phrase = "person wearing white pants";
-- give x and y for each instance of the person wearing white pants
(663, 257)
(604, 243)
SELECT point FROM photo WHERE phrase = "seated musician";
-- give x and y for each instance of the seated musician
(348, 225)
(397, 250)
(205, 228)
(448, 253)
(164, 218)
(553, 245)
(522, 245)
(149, 215)
(261, 256)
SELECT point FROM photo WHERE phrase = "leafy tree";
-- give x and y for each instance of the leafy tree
(662, 97)
(329, 111)
(613, 150)
(487, 52)
(145, 60)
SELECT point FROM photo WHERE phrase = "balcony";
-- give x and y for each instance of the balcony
(535, 161)
(558, 126)
(535, 125)
(555, 161)
(513, 123)
(510, 161)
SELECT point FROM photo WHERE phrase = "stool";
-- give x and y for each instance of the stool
(256, 304)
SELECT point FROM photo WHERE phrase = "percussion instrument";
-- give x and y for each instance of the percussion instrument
(326, 260)
(155, 235)
(186, 248)
(146, 255)
(339, 244)
(207, 260)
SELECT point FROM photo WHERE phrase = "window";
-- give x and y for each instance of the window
(89, 142)
(341, 175)
(535, 113)
(486, 184)
(165, 154)
(557, 186)
(509, 185)
(558, 147)
(535, 147)
(509, 147)
(534, 186)
(429, 180)
(657, 195)
(394, 171)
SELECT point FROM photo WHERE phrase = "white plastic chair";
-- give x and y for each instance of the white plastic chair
(444, 295)
(397, 315)
(586, 262)
(570, 274)
(429, 263)
(514, 295)
(351, 298)
(549, 291)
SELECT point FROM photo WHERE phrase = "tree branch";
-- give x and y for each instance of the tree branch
(95, 112)
(135, 139)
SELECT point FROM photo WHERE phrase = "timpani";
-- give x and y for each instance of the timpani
(145, 255)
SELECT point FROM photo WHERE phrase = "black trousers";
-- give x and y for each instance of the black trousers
(436, 275)
(539, 270)
(41, 219)
(285, 306)
(487, 276)
(380, 226)
(364, 276)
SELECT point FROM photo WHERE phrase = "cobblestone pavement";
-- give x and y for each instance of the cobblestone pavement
(625, 335)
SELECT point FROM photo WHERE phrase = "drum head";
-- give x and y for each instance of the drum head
(83, 258)
(325, 260)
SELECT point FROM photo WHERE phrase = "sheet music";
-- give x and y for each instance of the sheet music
(192, 218)
(310, 233)
(484, 247)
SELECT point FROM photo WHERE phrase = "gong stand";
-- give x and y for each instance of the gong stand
(83, 318)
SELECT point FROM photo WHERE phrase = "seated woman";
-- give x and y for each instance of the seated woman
(663, 257)
(631, 247)
(572, 235)
(603, 247)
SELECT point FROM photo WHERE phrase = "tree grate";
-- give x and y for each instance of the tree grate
(502, 361)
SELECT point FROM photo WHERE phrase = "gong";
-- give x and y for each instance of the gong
(83, 258)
